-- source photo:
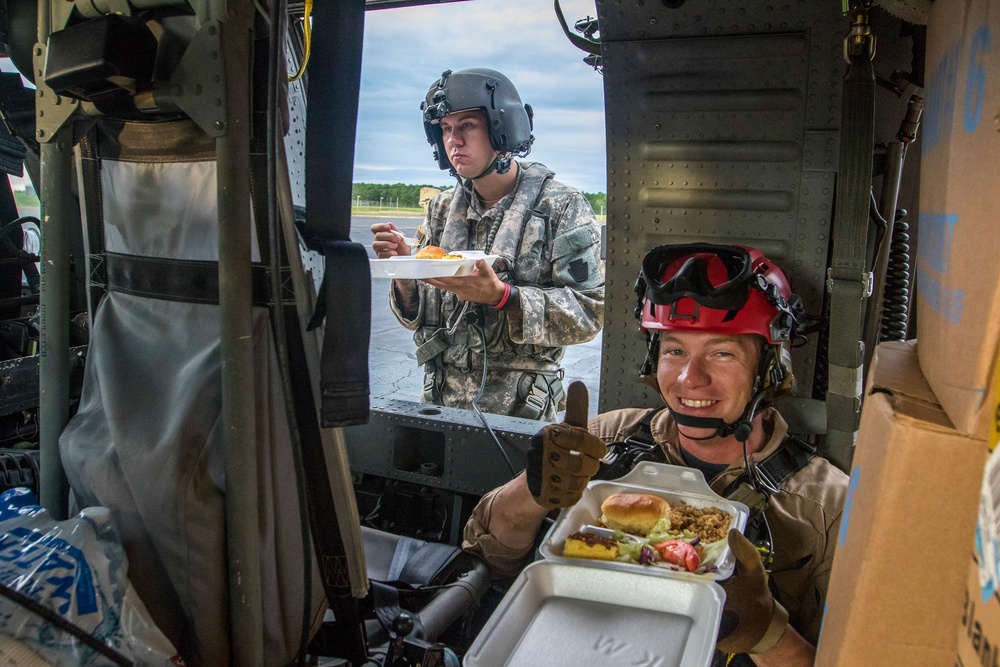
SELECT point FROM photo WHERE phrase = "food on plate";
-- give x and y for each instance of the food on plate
(589, 545)
(680, 553)
(634, 513)
(709, 523)
(648, 530)
(434, 252)
(430, 252)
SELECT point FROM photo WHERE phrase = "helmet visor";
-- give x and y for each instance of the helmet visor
(691, 278)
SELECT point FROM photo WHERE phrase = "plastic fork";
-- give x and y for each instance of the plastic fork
(607, 532)
(406, 239)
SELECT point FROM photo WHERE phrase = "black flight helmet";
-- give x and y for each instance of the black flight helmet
(509, 120)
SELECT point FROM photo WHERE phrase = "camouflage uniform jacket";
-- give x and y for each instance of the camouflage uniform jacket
(804, 516)
(548, 242)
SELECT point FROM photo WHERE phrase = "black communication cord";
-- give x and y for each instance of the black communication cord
(475, 404)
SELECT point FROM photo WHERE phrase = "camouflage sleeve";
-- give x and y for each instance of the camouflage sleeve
(405, 302)
(406, 297)
(572, 310)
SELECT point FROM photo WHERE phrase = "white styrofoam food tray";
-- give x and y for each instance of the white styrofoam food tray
(411, 268)
(561, 614)
(672, 483)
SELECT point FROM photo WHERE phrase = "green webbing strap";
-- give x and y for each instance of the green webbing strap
(538, 397)
(849, 281)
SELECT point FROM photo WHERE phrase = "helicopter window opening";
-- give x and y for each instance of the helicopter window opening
(418, 451)
(405, 50)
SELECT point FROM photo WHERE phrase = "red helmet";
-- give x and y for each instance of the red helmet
(724, 289)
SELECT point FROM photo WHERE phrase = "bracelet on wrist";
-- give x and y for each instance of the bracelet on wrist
(504, 298)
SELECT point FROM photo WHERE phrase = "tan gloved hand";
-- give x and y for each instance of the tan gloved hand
(752, 620)
(563, 457)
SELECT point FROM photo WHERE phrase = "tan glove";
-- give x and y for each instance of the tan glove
(563, 457)
(752, 620)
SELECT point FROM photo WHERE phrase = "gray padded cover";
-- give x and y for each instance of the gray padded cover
(147, 443)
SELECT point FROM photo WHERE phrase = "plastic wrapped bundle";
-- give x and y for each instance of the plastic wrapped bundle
(65, 594)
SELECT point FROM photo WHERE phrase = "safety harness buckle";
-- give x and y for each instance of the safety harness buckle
(432, 347)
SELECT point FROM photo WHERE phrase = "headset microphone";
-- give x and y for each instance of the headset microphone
(743, 430)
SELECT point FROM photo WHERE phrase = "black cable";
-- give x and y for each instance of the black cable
(17, 222)
(482, 417)
(64, 625)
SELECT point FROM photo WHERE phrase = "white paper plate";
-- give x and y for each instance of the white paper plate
(412, 268)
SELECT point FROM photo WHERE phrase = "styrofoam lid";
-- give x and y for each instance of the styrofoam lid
(562, 614)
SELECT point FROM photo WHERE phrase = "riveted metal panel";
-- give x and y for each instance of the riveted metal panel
(722, 125)
(471, 462)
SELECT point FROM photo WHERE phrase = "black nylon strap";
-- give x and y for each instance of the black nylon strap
(12, 243)
(644, 432)
(189, 281)
(344, 364)
(332, 103)
(792, 456)
(430, 565)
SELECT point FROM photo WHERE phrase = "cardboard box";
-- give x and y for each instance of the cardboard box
(958, 262)
(898, 582)
(979, 633)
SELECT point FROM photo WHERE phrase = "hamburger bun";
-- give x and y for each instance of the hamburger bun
(430, 252)
(634, 513)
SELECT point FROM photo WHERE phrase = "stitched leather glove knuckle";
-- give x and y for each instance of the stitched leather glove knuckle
(563, 457)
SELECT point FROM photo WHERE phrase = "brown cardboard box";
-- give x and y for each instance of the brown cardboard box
(898, 580)
(957, 268)
(979, 633)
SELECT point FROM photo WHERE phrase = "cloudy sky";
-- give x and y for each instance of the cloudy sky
(407, 49)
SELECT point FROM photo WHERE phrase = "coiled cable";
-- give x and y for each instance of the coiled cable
(896, 295)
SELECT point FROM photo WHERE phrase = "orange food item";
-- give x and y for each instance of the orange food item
(430, 252)
(588, 545)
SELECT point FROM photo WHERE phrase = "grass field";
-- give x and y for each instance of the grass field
(23, 199)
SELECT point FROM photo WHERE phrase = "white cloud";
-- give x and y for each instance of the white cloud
(407, 49)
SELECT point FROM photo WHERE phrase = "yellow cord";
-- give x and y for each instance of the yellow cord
(307, 34)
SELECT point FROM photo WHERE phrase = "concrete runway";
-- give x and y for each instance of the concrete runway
(392, 362)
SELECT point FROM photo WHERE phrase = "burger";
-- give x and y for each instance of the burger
(434, 252)
(430, 252)
(634, 513)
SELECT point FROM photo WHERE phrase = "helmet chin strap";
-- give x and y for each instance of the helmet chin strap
(741, 428)
(500, 164)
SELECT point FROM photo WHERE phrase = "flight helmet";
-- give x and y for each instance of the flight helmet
(508, 119)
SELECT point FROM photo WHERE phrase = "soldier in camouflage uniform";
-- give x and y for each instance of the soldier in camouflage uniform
(546, 289)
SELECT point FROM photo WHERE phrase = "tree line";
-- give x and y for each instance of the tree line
(408, 196)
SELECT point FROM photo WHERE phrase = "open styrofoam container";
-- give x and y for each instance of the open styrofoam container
(561, 614)
(571, 611)
(411, 268)
(672, 483)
